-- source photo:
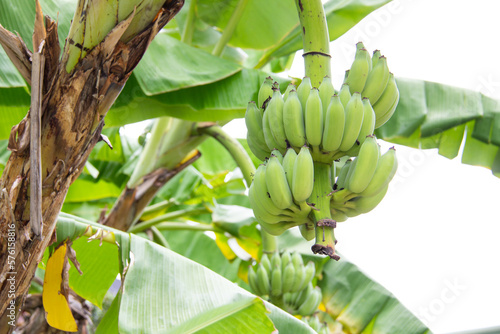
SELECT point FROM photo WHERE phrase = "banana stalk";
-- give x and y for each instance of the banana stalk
(324, 224)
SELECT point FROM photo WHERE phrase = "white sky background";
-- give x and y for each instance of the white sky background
(433, 241)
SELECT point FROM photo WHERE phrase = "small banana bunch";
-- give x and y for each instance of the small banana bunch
(280, 189)
(363, 182)
(314, 323)
(371, 77)
(287, 282)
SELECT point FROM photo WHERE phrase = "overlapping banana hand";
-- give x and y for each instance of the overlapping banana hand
(280, 189)
(362, 183)
(286, 281)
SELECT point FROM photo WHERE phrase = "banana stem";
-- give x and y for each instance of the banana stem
(157, 207)
(324, 224)
(269, 242)
(230, 27)
(316, 41)
(170, 215)
(174, 226)
(187, 34)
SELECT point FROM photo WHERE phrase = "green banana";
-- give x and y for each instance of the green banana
(289, 88)
(309, 271)
(256, 150)
(263, 280)
(341, 179)
(285, 259)
(265, 92)
(288, 163)
(297, 260)
(278, 228)
(377, 81)
(299, 278)
(303, 90)
(359, 71)
(334, 125)
(253, 121)
(275, 110)
(293, 120)
(259, 212)
(359, 46)
(313, 117)
(307, 231)
(326, 91)
(376, 55)
(266, 263)
(261, 193)
(288, 277)
(276, 289)
(345, 94)
(384, 108)
(386, 169)
(277, 184)
(252, 281)
(353, 121)
(365, 166)
(338, 215)
(368, 125)
(303, 175)
(278, 155)
(367, 204)
(310, 305)
(301, 296)
(276, 260)
(268, 136)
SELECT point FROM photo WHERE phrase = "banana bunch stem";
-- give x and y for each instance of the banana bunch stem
(316, 41)
(324, 224)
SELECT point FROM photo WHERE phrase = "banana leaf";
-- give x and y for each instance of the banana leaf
(433, 115)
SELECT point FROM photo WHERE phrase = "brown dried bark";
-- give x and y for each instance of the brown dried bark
(73, 109)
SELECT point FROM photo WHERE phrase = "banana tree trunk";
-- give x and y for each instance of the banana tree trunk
(74, 105)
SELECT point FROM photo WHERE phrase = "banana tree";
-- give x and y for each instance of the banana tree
(225, 50)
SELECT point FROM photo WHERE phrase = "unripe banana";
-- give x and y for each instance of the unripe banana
(261, 192)
(334, 125)
(377, 81)
(358, 73)
(264, 262)
(286, 258)
(303, 90)
(253, 121)
(303, 175)
(313, 117)
(345, 94)
(302, 295)
(307, 231)
(341, 179)
(265, 92)
(288, 277)
(276, 260)
(252, 281)
(353, 121)
(256, 150)
(338, 215)
(367, 204)
(309, 272)
(376, 55)
(386, 105)
(275, 110)
(277, 184)
(293, 120)
(311, 304)
(268, 135)
(365, 166)
(263, 280)
(360, 46)
(326, 91)
(288, 163)
(297, 260)
(278, 155)
(289, 88)
(386, 169)
(276, 284)
(299, 278)
(259, 212)
(368, 125)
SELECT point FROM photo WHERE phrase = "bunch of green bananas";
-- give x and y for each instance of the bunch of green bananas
(363, 182)
(333, 124)
(286, 281)
(280, 189)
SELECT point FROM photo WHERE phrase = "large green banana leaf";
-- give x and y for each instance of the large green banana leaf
(432, 115)
(163, 292)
